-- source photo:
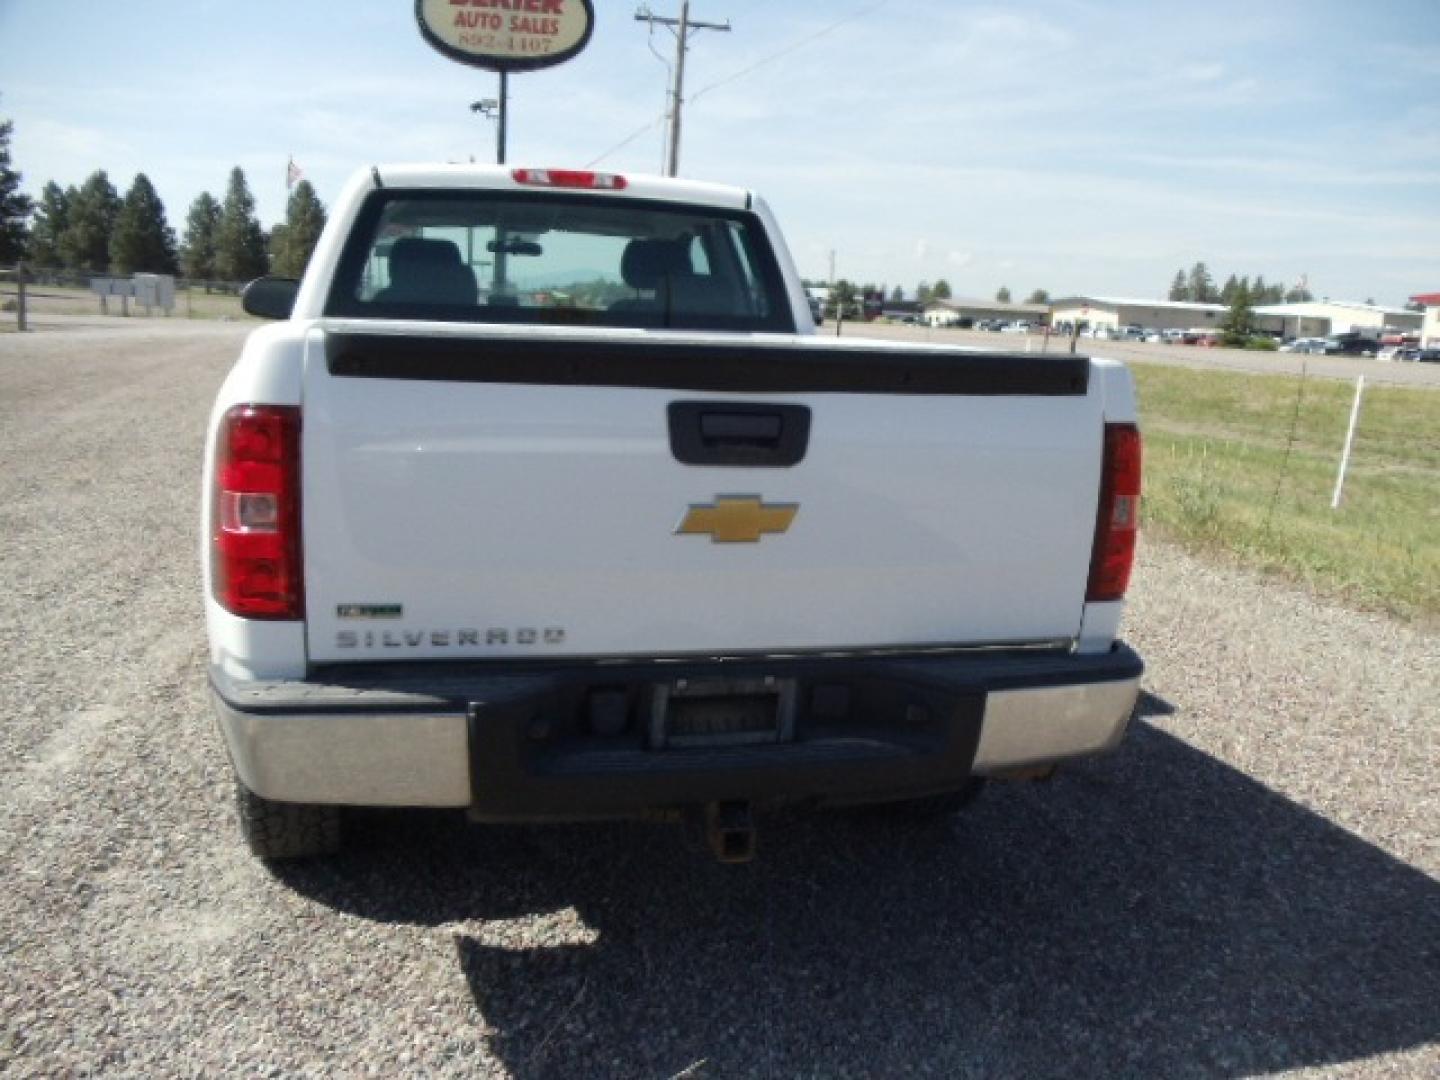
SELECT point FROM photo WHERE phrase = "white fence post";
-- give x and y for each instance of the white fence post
(1349, 441)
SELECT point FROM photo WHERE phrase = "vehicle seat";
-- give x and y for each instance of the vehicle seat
(428, 272)
(655, 266)
(703, 294)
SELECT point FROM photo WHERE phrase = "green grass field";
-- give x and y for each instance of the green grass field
(1223, 474)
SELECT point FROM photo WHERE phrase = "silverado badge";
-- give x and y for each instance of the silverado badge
(737, 519)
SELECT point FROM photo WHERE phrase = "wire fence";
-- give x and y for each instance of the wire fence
(35, 298)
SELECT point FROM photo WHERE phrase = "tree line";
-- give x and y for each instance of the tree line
(925, 293)
(93, 229)
(850, 295)
(1198, 286)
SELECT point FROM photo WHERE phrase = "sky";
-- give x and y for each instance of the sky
(1080, 147)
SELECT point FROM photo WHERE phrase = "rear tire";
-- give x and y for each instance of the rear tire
(278, 831)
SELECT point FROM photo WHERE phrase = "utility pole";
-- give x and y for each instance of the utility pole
(682, 28)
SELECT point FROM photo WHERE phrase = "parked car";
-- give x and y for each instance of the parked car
(1428, 356)
(1350, 345)
(1021, 327)
(1304, 345)
(1173, 337)
(1154, 337)
(1133, 332)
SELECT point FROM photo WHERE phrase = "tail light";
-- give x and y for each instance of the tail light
(255, 520)
(570, 178)
(1118, 520)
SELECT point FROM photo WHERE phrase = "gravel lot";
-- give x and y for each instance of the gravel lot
(1248, 886)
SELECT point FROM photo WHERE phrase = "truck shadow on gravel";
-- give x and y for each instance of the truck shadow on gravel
(1154, 913)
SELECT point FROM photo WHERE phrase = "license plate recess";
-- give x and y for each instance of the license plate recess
(722, 712)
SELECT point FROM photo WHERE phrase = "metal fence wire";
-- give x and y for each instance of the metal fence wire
(36, 297)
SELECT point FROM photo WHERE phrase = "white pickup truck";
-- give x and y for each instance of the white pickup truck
(545, 500)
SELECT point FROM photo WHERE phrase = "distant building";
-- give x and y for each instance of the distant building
(1322, 318)
(966, 312)
(1430, 325)
(1092, 312)
(901, 310)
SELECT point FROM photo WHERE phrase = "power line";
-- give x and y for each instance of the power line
(788, 49)
(651, 126)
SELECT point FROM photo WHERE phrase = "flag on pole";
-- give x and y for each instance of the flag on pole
(293, 174)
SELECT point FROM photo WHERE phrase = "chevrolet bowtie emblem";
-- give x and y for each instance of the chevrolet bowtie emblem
(737, 519)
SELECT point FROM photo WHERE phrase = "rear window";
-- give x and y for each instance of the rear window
(515, 257)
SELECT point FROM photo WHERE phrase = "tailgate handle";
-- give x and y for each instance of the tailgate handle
(739, 433)
(742, 429)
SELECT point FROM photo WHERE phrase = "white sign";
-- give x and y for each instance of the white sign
(507, 35)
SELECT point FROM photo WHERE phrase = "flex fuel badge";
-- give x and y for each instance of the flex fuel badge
(369, 611)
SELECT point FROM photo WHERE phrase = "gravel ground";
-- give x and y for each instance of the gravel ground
(1248, 886)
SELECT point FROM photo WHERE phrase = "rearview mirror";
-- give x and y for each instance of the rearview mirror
(270, 297)
(514, 247)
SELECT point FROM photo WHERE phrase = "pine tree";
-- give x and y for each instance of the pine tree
(239, 241)
(1201, 286)
(1239, 321)
(85, 244)
(923, 294)
(143, 241)
(14, 204)
(1039, 296)
(202, 224)
(898, 295)
(52, 216)
(940, 290)
(1179, 288)
(1002, 295)
(1227, 291)
(292, 243)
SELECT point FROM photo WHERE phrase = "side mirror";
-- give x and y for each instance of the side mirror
(270, 297)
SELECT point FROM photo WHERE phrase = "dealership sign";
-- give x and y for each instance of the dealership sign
(507, 35)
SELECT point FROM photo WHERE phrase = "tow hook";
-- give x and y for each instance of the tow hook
(730, 831)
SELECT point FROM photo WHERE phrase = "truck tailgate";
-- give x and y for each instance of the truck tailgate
(471, 493)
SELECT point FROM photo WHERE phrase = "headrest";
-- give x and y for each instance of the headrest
(428, 272)
(646, 262)
(413, 251)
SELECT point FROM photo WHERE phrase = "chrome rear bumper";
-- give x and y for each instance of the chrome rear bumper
(397, 737)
